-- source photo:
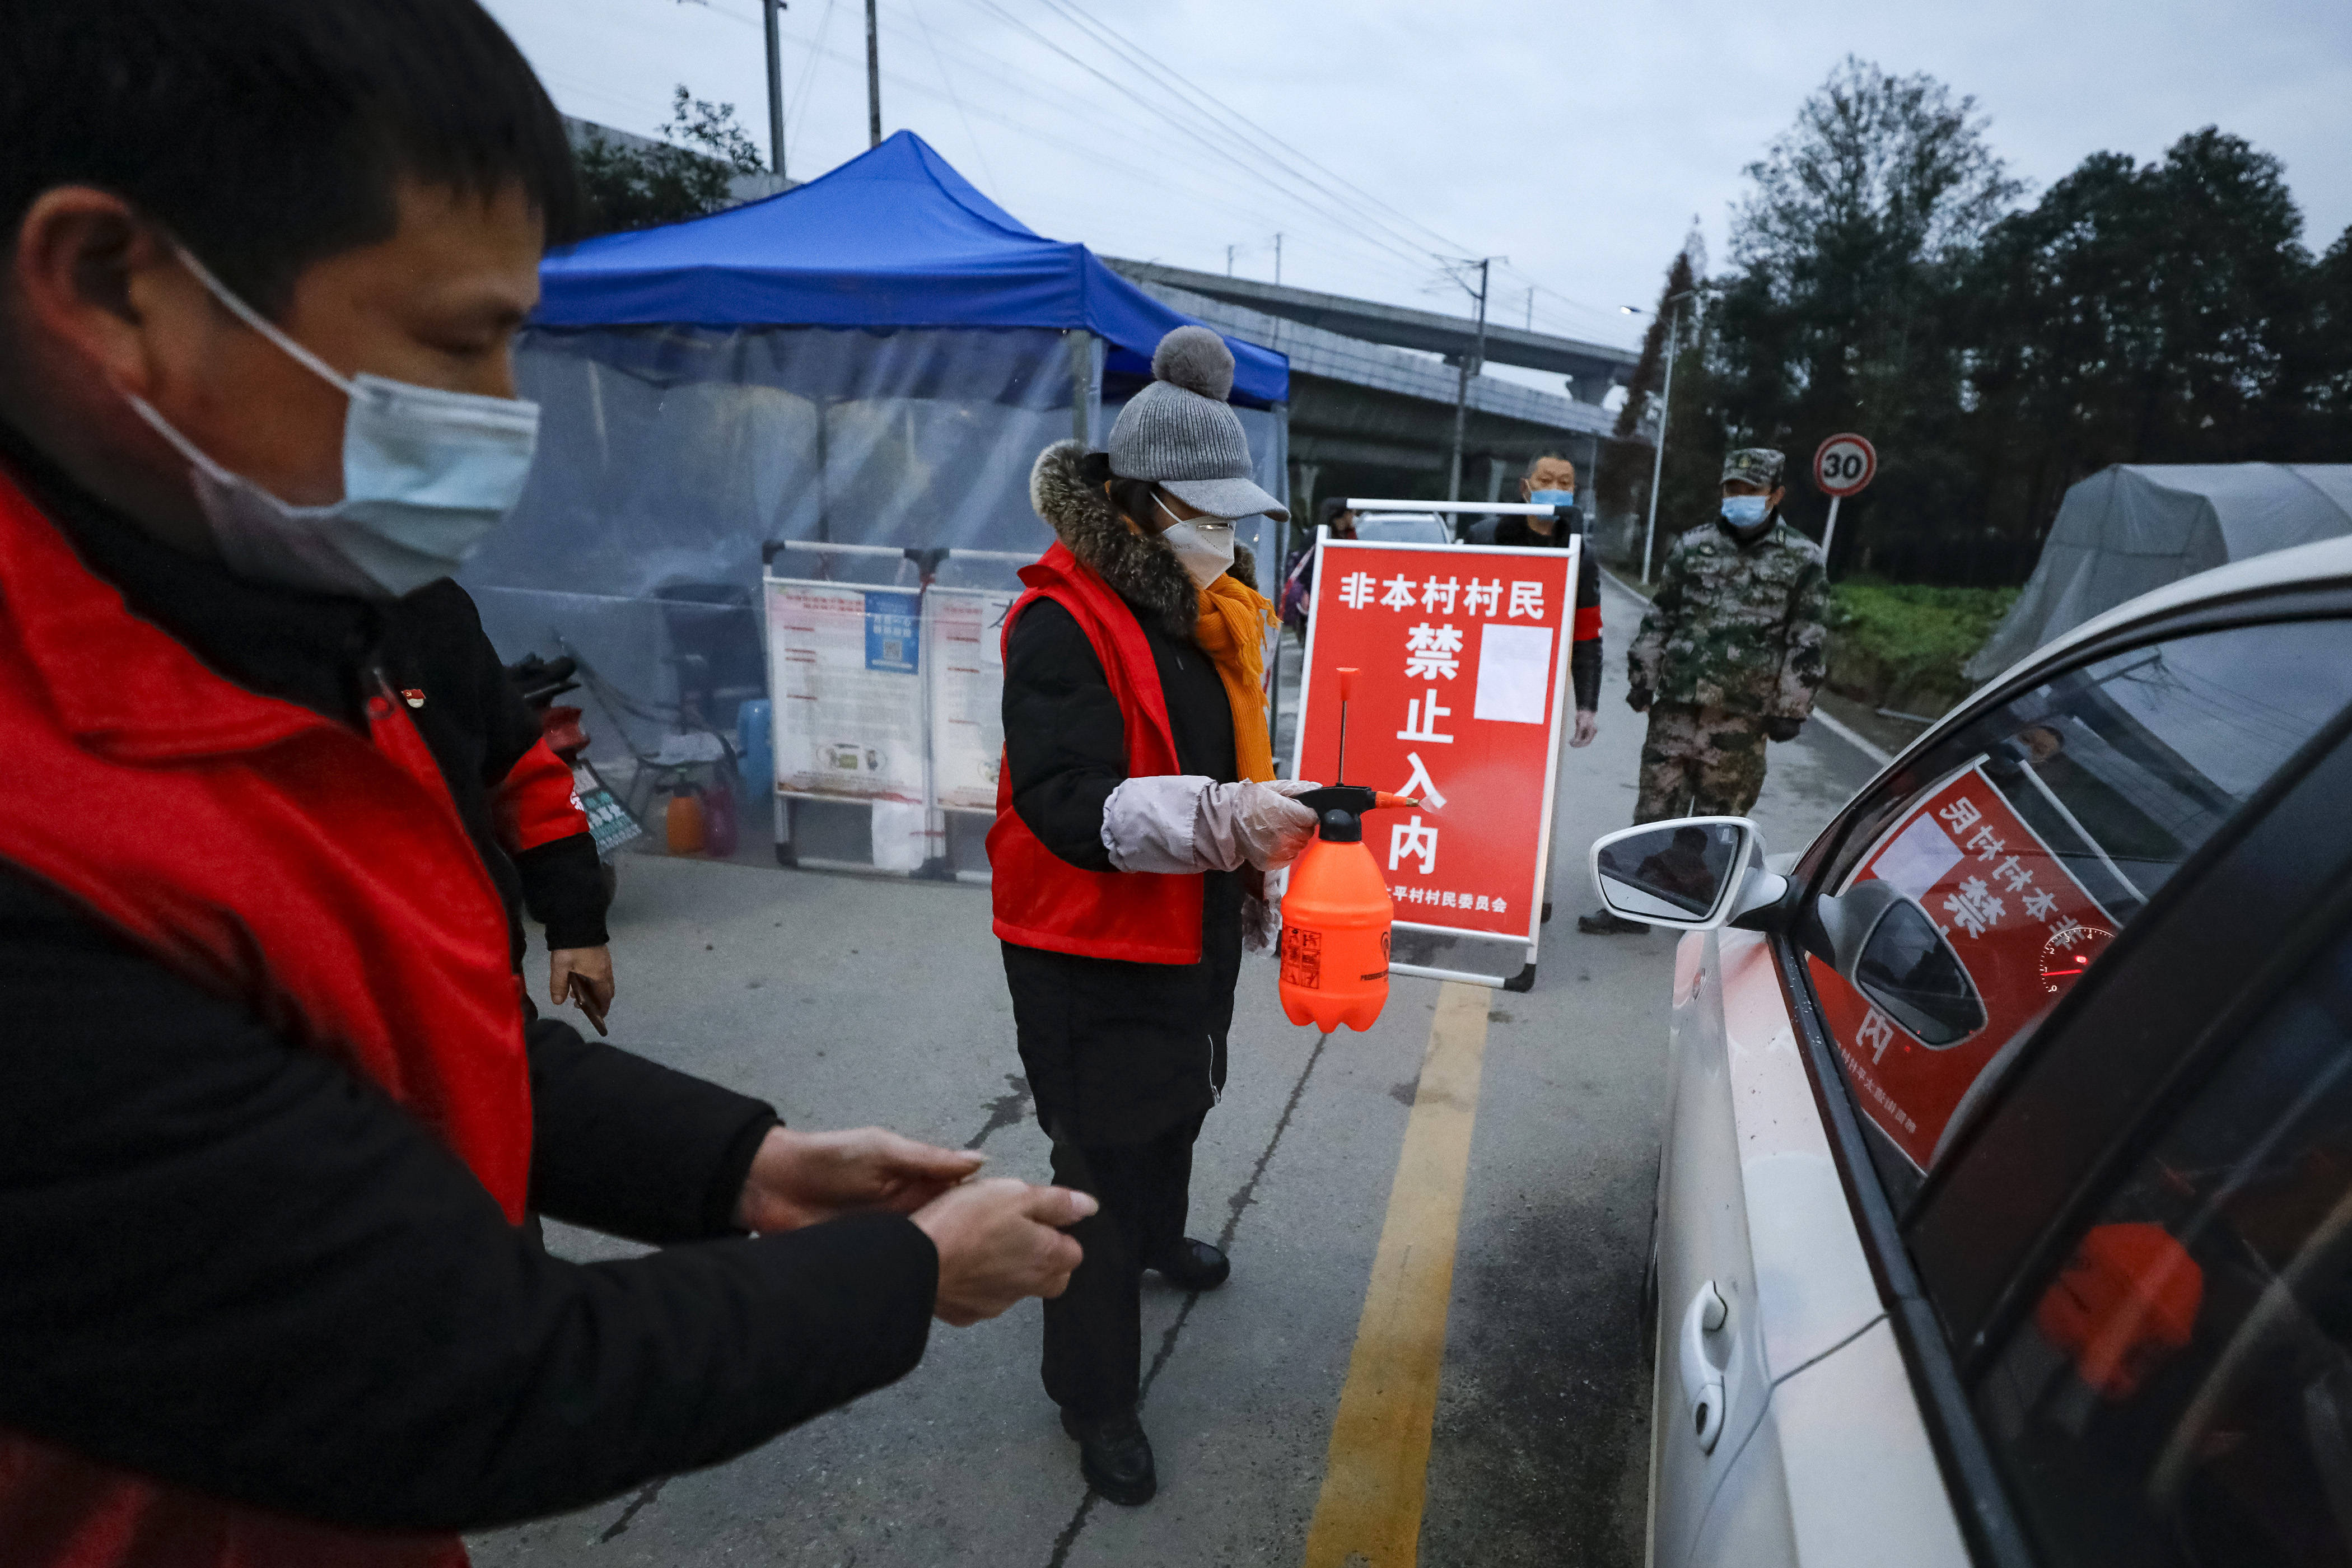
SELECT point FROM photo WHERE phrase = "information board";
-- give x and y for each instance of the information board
(964, 629)
(2023, 928)
(845, 676)
(1461, 655)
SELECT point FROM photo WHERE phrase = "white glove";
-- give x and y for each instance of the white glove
(1179, 823)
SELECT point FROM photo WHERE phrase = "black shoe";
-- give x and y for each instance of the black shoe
(1609, 923)
(1193, 1266)
(1113, 1455)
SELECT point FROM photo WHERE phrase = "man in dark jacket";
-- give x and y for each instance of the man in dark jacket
(538, 845)
(1551, 479)
(271, 1104)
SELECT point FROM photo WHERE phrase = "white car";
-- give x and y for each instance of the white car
(2004, 1213)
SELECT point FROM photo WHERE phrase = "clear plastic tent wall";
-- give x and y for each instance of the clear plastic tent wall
(2133, 528)
(669, 456)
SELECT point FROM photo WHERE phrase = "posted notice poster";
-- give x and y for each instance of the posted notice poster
(2023, 928)
(846, 670)
(965, 629)
(1461, 661)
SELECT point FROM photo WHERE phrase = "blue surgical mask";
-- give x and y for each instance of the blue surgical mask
(426, 475)
(1552, 498)
(1746, 512)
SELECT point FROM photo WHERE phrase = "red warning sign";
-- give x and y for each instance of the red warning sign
(2024, 930)
(1461, 654)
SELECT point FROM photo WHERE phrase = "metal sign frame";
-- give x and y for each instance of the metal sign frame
(1573, 555)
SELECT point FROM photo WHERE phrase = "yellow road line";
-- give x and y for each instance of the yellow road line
(1370, 1513)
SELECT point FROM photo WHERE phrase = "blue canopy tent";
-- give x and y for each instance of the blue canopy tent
(873, 358)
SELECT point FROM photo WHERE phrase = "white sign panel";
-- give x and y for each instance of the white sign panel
(965, 658)
(846, 677)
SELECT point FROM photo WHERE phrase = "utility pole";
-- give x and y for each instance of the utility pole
(1277, 258)
(1229, 261)
(775, 91)
(1531, 308)
(1470, 365)
(873, 77)
(1666, 405)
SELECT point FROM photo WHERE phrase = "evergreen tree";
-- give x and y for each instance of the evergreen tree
(686, 174)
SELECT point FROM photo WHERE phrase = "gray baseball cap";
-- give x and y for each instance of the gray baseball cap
(1182, 433)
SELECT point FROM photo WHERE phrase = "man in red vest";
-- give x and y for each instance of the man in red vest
(272, 1101)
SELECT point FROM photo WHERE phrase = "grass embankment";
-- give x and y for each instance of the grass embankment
(1901, 645)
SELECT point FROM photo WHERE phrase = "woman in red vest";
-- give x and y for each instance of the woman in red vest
(1136, 813)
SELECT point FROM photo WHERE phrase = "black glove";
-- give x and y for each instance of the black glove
(1638, 698)
(1783, 729)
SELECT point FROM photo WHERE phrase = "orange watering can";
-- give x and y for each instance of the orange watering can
(1336, 911)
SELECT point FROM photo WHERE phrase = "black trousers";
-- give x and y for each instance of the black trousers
(1093, 1330)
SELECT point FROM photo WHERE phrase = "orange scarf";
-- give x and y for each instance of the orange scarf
(1232, 630)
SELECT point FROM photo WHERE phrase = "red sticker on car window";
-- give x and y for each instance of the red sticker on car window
(2023, 926)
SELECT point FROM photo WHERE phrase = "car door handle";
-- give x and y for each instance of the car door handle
(1702, 1384)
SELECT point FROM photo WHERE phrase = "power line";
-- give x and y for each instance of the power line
(1118, 41)
(1142, 59)
(1183, 126)
(948, 81)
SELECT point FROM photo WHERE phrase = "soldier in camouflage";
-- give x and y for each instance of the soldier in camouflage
(1729, 654)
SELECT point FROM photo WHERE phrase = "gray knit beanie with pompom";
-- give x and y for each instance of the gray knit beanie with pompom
(1180, 432)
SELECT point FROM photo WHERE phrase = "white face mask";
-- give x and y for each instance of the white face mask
(426, 475)
(1204, 544)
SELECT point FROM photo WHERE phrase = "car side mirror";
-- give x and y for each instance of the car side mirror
(1889, 949)
(1693, 874)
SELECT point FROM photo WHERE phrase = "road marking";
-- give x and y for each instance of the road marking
(1378, 1470)
(1846, 732)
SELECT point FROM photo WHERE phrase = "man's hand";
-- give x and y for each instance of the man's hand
(801, 1178)
(1637, 697)
(1783, 729)
(1000, 1241)
(581, 975)
(1588, 724)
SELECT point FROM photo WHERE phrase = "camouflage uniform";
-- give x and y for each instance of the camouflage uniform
(1733, 641)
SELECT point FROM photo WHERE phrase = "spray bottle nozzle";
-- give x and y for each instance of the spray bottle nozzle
(1343, 806)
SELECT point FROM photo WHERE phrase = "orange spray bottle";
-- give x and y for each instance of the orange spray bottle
(1336, 911)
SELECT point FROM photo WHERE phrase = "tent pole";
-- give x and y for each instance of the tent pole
(1086, 385)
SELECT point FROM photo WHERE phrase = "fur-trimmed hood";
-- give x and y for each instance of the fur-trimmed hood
(1140, 568)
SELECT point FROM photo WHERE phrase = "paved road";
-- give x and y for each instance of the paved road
(848, 1001)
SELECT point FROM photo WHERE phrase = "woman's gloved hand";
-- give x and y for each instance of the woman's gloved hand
(1178, 823)
(1261, 822)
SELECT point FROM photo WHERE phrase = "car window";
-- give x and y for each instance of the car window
(2034, 834)
(2182, 1392)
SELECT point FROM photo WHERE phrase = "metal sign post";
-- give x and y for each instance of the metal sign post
(1844, 465)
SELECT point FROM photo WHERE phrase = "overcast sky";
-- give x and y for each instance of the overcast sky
(1577, 140)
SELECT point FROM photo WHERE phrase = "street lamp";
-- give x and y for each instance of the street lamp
(1665, 402)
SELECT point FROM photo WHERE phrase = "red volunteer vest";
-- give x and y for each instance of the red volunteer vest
(1042, 900)
(319, 878)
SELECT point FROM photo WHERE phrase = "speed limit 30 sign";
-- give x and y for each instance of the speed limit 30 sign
(1845, 466)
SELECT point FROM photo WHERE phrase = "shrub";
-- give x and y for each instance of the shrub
(1901, 645)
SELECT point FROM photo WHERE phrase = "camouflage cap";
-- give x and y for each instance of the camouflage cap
(1756, 465)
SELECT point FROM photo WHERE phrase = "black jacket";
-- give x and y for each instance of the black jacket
(233, 1266)
(1115, 1052)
